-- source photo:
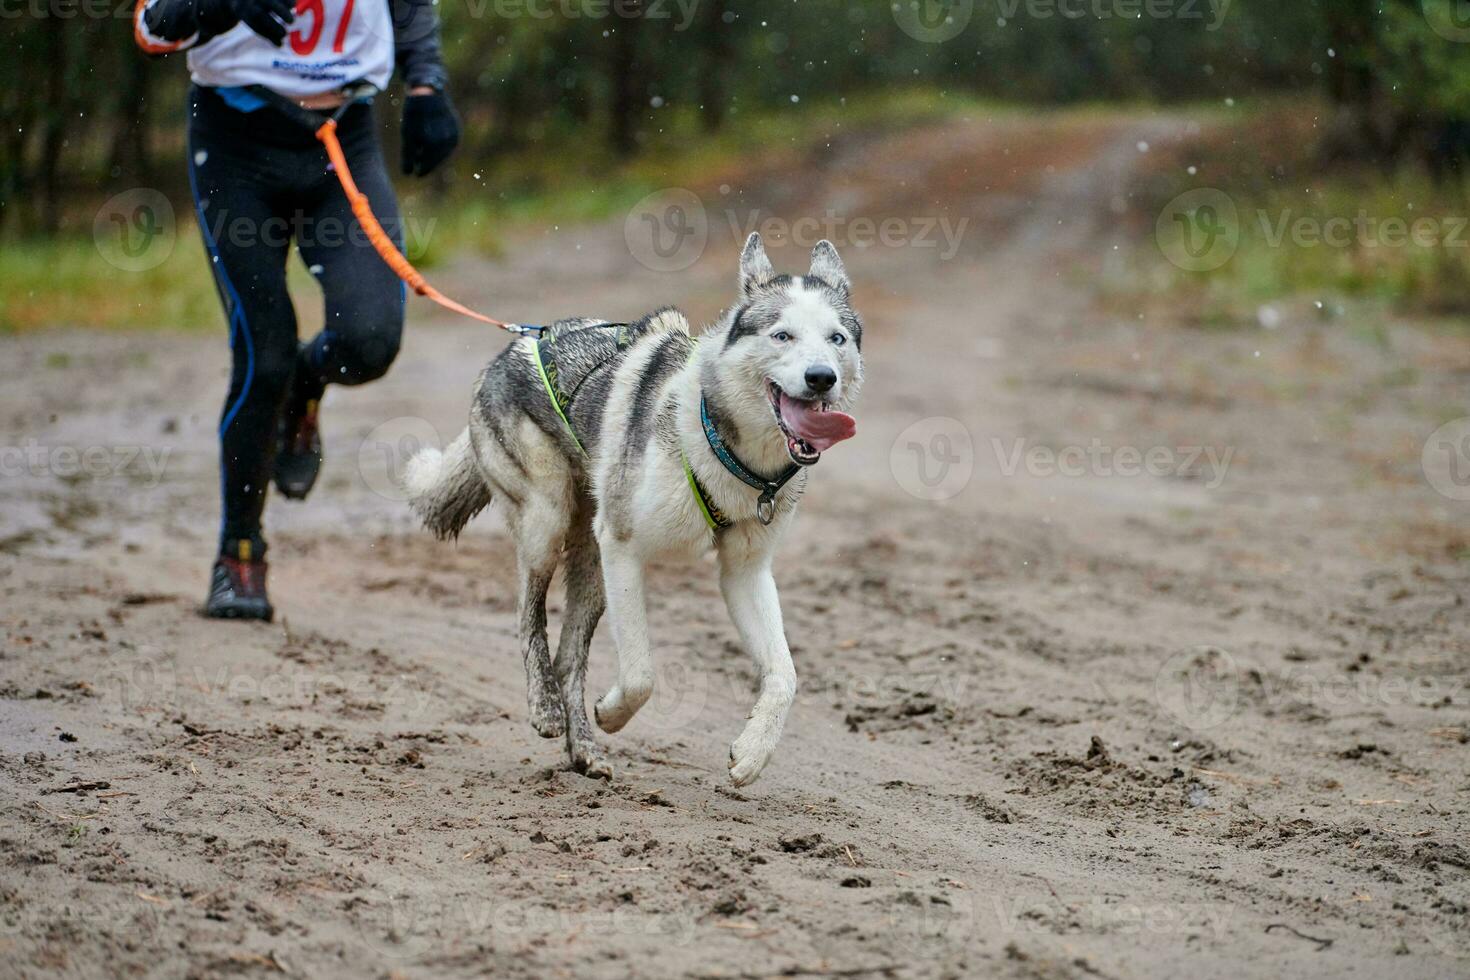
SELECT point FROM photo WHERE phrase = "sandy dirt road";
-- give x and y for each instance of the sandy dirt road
(1126, 649)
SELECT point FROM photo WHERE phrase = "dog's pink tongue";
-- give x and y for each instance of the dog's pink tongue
(818, 429)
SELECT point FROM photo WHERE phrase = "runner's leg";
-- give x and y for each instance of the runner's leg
(247, 243)
(364, 298)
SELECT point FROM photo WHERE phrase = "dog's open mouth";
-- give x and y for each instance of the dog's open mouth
(810, 426)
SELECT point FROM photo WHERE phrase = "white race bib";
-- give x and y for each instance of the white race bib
(331, 43)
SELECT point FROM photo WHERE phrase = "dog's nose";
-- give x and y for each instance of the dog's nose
(820, 378)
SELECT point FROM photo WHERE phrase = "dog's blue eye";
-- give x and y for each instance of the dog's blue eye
(781, 335)
(837, 339)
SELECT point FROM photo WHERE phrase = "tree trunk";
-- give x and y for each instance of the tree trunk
(21, 116)
(130, 154)
(627, 102)
(54, 135)
(718, 42)
(1353, 133)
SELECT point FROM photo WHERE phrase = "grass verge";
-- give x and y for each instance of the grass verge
(1305, 230)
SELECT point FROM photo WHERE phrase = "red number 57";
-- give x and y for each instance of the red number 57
(304, 43)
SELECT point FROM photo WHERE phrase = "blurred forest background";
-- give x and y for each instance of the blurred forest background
(562, 109)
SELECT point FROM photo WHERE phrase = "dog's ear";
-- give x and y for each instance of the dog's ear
(827, 266)
(755, 268)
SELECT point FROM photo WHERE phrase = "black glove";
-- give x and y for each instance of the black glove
(268, 18)
(430, 132)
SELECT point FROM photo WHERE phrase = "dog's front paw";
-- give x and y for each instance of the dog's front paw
(618, 706)
(548, 713)
(590, 762)
(749, 755)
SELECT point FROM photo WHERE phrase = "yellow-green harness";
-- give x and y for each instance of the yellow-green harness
(550, 377)
(543, 353)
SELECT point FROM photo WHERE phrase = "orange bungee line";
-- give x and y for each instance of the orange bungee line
(384, 246)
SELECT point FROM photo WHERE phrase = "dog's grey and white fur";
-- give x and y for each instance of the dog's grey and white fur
(608, 512)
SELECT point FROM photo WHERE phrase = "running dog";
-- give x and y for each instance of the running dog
(608, 444)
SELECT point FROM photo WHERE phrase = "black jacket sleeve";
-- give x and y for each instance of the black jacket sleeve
(416, 43)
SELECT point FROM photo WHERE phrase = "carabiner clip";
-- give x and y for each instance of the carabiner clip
(765, 509)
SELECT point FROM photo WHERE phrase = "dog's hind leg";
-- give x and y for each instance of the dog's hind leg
(755, 608)
(540, 527)
(584, 608)
(622, 574)
(527, 473)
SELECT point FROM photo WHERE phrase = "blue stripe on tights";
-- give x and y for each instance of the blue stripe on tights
(239, 327)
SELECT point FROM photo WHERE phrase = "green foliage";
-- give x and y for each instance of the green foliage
(86, 115)
(1423, 71)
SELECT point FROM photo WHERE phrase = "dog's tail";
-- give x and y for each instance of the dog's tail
(445, 489)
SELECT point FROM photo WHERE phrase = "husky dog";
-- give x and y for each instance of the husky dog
(608, 444)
